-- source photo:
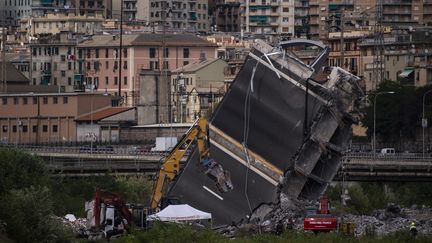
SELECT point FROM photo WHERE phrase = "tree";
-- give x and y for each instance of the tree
(20, 170)
(397, 115)
(28, 216)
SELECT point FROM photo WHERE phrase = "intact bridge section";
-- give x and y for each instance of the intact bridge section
(121, 161)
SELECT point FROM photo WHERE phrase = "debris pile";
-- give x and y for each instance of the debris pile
(392, 219)
(76, 225)
(290, 215)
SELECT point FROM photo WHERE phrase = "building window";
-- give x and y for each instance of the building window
(106, 53)
(69, 81)
(166, 53)
(63, 73)
(25, 128)
(35, 100)
(15, 100)
(63, 58)
(152, 52)
(88, 53)
(34, 128)
(54, 128)
(65, 100)
(125, 80)
(106, 80)
(25, 100)
(106, 64)
(55, 100)
(125, 65)
(45, 128)
(4, 101)
(185, 52)
(14, 128)
(97, 53)
(115, 80)
(285, 10)
(125, 52)
(5, 128)
(45, 100)
(154, 65)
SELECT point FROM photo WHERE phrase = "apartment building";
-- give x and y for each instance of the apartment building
(55, 23)
(100, 59)
(181, 16)
(53, 62)
(407, 58)
(269, 17)
(196, 87)
(45, 117)
(66, 7)
(227, 16)
(11, 11)
(133, 10)
(350, 51)
(316, 18)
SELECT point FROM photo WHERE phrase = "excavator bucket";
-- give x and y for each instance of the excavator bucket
(275, 131)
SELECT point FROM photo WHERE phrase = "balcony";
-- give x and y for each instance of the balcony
(130, 9)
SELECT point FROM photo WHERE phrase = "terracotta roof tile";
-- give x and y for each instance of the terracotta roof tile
(101, 114)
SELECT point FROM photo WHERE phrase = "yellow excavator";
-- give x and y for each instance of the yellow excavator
(197, 134)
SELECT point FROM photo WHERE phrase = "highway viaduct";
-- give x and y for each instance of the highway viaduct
(70, 161)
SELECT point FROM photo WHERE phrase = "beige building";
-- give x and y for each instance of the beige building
(407, 58)
(45, 117)
(77, 7)
(55, 23)
(196, 88)
(268, 17)
(351, 51)
(104, 125)
(53, 62)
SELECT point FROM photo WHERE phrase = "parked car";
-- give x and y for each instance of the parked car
(387, 151)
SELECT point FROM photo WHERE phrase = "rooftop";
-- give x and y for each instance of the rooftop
(102, 114)
(13, 76)
(195, 66)
(108, 41)
(171, 40)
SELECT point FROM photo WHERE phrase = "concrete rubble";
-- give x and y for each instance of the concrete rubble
(77, 226)
(290, 215)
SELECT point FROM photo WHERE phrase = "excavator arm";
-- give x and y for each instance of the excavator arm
(170, 168)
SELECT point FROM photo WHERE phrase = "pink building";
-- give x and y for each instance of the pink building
(100, 58)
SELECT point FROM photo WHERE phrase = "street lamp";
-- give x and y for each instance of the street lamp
(424, 121)
(374, 123)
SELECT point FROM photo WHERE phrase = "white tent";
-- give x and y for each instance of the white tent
(182, 212)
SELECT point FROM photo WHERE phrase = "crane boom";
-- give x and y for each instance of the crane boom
(197, 134)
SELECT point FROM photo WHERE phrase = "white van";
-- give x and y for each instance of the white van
(387, 151)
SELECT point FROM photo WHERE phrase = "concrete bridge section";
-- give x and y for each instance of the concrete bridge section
(120, 161)
(399, 167)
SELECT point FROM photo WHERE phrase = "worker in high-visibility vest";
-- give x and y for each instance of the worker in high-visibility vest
(413, 229)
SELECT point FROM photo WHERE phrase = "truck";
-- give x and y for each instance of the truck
(107, 215)
(164, 144)
(320, 219)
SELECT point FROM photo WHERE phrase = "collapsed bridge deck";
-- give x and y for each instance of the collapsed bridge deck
(275, 130)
